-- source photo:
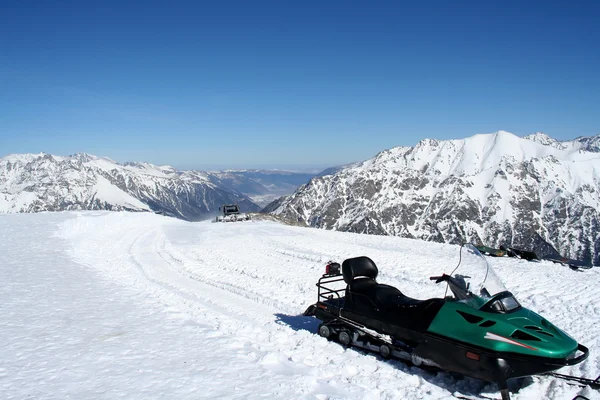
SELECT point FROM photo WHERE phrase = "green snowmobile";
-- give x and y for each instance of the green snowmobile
(481, 331)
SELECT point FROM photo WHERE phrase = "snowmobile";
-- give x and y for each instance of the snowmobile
(490, 251)
(573, 264)
(518, 253)
(231, 213)
(480, 331)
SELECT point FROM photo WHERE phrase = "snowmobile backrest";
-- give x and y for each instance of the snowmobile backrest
(359, 266)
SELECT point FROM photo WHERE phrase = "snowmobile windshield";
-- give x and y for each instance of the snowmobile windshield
(477, 278)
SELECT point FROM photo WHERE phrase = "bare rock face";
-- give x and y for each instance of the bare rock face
(43, 182)
(534, 193)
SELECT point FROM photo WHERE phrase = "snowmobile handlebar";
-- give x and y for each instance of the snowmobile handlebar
(439, 279)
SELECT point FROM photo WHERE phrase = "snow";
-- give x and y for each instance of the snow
(107, 165)
(475, 154)
(580, 143)
(21, 158)
(109, 193)
(138, 306)
(12, 202)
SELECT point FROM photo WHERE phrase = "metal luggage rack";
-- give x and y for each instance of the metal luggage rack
(328, 294)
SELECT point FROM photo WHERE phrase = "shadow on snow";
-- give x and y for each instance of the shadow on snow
(298, 322)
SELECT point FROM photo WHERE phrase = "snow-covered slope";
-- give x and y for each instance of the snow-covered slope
(491, 188)
(138, 306)
(43, 182)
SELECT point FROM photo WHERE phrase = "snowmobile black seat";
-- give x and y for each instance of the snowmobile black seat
(359, 266)
(384, 302)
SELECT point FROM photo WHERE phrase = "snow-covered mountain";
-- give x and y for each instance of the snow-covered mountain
(533, 192)
(43, 182)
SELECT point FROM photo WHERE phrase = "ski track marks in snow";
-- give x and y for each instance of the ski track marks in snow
(242, 287)
(69, 333)
(249, 313)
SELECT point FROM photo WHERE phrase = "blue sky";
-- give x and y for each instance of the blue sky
(258, 84)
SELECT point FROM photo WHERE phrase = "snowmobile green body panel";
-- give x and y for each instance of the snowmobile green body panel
(521, 331)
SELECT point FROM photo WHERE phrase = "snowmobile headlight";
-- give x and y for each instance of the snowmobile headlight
(510, 303)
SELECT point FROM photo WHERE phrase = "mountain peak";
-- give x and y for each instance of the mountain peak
(541, 138)
(83, 157)
(501, 132)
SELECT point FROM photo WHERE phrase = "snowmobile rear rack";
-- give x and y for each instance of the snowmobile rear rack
(326, 293)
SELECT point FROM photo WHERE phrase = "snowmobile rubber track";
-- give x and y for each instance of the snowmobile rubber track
(372, 341)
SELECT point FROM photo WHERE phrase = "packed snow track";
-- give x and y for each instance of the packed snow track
(135, 305)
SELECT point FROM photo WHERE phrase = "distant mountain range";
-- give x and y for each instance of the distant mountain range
(44, 182)
(535, 193)
(262, 186)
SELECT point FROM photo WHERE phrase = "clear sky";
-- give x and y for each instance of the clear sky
(254, 84)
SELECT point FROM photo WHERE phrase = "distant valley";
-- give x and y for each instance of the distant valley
(261, 186)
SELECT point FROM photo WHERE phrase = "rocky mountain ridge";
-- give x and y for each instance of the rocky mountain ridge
(534, 192)
(44, 182)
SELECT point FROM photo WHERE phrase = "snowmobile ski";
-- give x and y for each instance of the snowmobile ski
(593, 383)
